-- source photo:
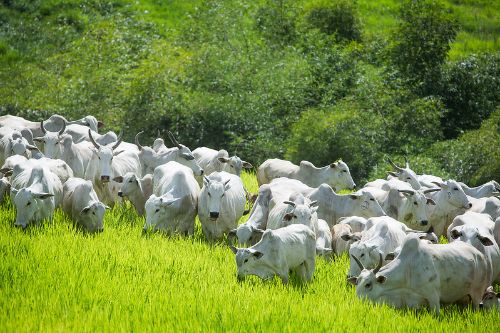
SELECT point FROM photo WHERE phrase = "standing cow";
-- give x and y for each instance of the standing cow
(221, 204)
(173, 205)
(279, 251)
(135, 189)
(211, 160)
(425, 275)
(336, 175)
(81, 203)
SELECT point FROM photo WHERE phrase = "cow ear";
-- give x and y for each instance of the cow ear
(39, 139)
(232, 232)
(354, 196)
(257, 254)
(485, 240)
(334, 165)
(107, 207)
(31, 147)
(314, 209)
(85, 210)
(118, 152)
(13, 190)
(381, 279)
(42, 195)
(234, 249)
(223, 159)
(390, 256)
(353, 280)
(206, 180)
(227, 186)
(431, 202)
(187, 156)
(118, 179)
(288, 217)
(392, 173)
(441, 185)
(455, 234)
(169, 202)
(247, 165)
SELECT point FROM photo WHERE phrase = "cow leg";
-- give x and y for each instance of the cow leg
(309, 266)
(283, 276)
(434, 304)
(301, 272)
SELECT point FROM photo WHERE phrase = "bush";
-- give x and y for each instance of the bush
(470, 93)
(421, 43)
(339, 18)
(276, 22)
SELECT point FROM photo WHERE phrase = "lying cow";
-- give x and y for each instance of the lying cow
(81, 203)
(336, 175)
(425, 275)
(221, 204)
(279, 251)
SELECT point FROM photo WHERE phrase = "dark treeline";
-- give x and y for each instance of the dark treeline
(275, 78)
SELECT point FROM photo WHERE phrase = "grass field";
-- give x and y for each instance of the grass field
(56, 279)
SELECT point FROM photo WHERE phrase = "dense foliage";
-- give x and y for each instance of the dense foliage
(311, 79)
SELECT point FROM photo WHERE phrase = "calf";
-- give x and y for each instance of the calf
(279, 251)
(135, 189)
(81, 203)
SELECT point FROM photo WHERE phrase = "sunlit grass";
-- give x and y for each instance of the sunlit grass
(55, 278)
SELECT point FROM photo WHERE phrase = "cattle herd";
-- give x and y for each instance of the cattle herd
(390, 227)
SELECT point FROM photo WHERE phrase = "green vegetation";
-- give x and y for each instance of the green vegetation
(54, 278)
(310, 79)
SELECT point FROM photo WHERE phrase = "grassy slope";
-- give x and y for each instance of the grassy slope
(53, 278)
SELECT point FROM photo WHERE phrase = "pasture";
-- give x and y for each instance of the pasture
(54, 278)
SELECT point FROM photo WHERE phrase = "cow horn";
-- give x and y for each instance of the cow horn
(358, 262)
(407, 163)
(291, 203)
(92, 140)
(429, 190)
(137, 143)
(375, 271)
(174, 141)
(118, 140)
(394, 165)
(44, 131)
(410, 192)
(159, 134)
(63, 127)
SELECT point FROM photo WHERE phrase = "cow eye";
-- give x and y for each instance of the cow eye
(93, 213)
(157, 210)
(130, 181)
(29, 203)
(415, 203)
(99, 157)
(368, 285)
(246, 260)
(295, 216)
(209, 194)
(408, 178)
(455, 189)
(223, 194)
(344, 170)
(362, 255)
(372, 199)
(232, 166)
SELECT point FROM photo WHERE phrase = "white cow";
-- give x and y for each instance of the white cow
(477, 230)
(173, 205)
(107, 163)
(251, 231)
(14, 165)
(381, 239)
(336, 175)
(150, 159)
(425, 275)
(279, 251)
(357, 223)
(78, 156)
(450, 202)
(343, 237)
(81, 203)
(211, 160)
(296, 210)
(491, 300)
(135, 189)
(490, 206)
(324, 239)
(221, 204)
(488, 189)
(36, 192)
(14, 142)
(405, 174)
(52, 141)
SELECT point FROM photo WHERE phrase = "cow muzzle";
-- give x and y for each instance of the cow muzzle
(105, 179)
(424, 222)
(214, 215)
(469, 205)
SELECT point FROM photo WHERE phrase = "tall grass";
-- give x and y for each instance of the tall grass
(55, 278)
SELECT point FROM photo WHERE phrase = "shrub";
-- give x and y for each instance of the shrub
(470, 93)
(339, 18)
(276, 22)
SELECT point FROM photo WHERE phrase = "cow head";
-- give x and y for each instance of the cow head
(470, 234)
(365, 205)
(490, 300)
(52, 141)
(416, 204)
(185, 156)
(215, 191)
(91, 217)
(158, 210)
(28, 203)
(367, 255)
(19, 143)
(249, 262)
(455, 194)
(246, 234)
(405, 174)
(130, 184)
(235, 164)
(301, 213)
(105, 154)
(340, 176)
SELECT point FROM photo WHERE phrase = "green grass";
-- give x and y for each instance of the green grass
(54, 278)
